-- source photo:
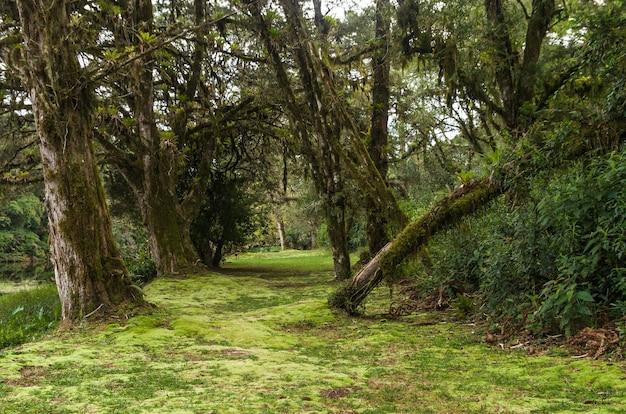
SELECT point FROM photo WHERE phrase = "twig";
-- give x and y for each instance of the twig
(521, 345)
(94, 311)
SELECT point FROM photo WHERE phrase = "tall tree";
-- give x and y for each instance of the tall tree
(168, 156)
(137, 148)
(88, 269)
(327, 133)
(377, 145)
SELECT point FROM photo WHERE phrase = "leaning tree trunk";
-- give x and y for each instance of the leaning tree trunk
(465, 200)
(88, 269)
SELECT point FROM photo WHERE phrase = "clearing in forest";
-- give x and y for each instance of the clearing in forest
(258, 337)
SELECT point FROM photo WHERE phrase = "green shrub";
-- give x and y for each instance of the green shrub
(141, 267)
(586, 216)
(28, 314)
(133, 243)
(556, 261)
(23, 228)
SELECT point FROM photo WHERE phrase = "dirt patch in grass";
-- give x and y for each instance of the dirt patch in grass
(30, 376)
(338, 392)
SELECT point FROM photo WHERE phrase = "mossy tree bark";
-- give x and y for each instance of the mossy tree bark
(466, 199)
(88, 269)
(153, 174)
(517, 77)
(377, 146)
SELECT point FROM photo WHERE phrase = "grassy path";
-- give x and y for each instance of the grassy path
(258, 338)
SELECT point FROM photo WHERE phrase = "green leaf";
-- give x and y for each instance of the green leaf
(584, 295)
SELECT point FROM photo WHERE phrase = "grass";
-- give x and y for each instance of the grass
(257, 337)
(27, 312)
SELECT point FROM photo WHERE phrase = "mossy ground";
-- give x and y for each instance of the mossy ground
(257, 337)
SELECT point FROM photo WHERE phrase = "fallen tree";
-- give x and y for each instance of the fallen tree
(464, 200)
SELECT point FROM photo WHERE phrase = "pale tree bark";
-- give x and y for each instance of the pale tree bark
(280, 227)
(88, 269)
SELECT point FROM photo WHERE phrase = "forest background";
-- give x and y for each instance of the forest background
(484, 139)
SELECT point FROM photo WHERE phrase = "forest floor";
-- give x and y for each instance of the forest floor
(258, 337)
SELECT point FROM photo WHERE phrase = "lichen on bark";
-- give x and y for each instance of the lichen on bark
(88, 270)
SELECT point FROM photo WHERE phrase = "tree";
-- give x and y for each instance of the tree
(131, 137)
(187, 95)
(333, 144)
(225, 220)
(318, 146)
(514, 103)
(88, 269)
(378, 138)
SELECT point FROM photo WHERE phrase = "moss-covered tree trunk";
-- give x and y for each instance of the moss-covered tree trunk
(465, 200)
(316, 124)
(331, 190)
(88, 269)
(377, 146)
(167, 227)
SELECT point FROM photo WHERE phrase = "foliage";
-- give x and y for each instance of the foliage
(556, 262)
(28, 314)
(132, 241)
(22, 227)
(302, 215)
(587, 217)
(226, 219)
(141, 267)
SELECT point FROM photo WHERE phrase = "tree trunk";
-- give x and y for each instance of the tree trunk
(351, 296)
(168, 231)
(517, 76)
(218, 254)
(465, 200)
(376, 218)
(280, 226)
(88, 269)
(507, 58)
(313, 237)
(337, 234)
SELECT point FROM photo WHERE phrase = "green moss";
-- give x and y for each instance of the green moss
(287, 352)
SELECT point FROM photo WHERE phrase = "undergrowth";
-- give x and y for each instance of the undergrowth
(28, 314)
